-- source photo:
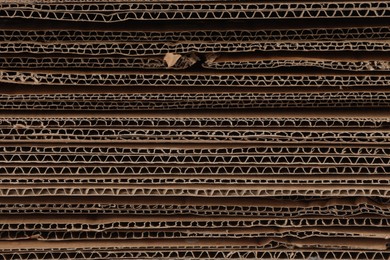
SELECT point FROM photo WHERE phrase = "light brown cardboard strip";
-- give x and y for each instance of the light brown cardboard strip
(203, 190)
(203, 10)
(351, 243)
(321, 113)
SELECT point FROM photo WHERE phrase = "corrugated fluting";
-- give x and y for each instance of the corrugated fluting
(209, 129)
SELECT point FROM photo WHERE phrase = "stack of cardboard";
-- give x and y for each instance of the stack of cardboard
(165, 129)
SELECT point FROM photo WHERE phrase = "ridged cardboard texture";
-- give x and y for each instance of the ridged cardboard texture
(209, 129)
(191, 101)
(116, 11)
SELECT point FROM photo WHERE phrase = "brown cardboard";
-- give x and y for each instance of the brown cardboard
(333, 61)
(337, 80)
(210, 253)
(214, 130)
(198, 32)
(258, 207)
(208, 10)
(195, 190)
(204, 129)
(162, 48)
(199, 254)
(191, 101)
(290, 233)
(355, 243)
(107, 62)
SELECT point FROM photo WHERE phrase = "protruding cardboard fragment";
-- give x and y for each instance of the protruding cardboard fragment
(171, 59)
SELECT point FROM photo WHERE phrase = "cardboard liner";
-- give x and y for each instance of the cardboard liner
(146, 62)
(199, 243)
(254, 156)
(198, 254)
(191, 135)
(185, 101)
(112, 223)
(226, 121)
(160, 48)
(207, 207)
(369, 65)
(42, 169)
(152, 245)
(196, 190)
(159, 80)
(329, 60)
(374, 180)
(115, 12)
(213, 130)
(300, 233)
(172, 35)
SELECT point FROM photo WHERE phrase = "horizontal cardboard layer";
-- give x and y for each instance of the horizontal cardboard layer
(370, 61)
(234, 33)
(58, 62)
(132, 78)
(260, 60)
(188, 101)
(194, 25)
(133, 222)
(214, 10)
(297, 119)
(110, 180)
(340, 243)
(162, 48)
(196, 190)
(236, 157)
(118, 222)
(185, 169)
(292, 136)
(14, 90)
(207, 207)
(198, 254)
(257, 232)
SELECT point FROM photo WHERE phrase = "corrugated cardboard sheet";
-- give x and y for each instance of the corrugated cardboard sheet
(209, 129)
